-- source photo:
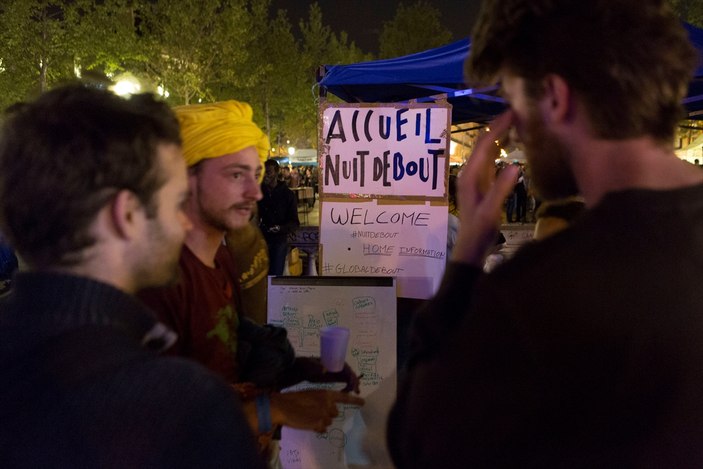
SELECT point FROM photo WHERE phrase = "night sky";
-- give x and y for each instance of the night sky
(363, 19)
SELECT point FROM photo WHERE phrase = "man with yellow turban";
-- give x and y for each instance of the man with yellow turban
(224, 149)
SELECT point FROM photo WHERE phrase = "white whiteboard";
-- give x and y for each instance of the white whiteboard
(367, 306)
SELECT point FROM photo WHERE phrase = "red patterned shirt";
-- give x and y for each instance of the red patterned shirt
(201, 309)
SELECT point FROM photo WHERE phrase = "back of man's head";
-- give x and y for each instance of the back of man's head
(65, 155)
(628, 61)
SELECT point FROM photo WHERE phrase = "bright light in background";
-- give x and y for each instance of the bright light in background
(77, 71)
(291, 151)
(452, 147)
(163, 92)
(126, 85)
(503, 153)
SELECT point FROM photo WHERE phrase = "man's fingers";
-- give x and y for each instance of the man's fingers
(478, 173)
(503, 185)
(485, 148)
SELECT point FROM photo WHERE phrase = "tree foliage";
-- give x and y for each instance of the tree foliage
(205, 50)
(270, 68)
(196, 50)
(194, 45)
(44, 43)
(413, 29)
(32, 47)
(320, 46)
(690, 11)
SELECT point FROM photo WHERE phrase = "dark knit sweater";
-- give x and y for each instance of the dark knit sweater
(584, 350)
(79, 387)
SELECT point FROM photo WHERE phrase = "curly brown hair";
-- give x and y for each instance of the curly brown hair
(63, 156)
(629, 61)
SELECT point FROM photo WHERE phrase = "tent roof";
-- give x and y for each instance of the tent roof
(694, 100)
(439, 72)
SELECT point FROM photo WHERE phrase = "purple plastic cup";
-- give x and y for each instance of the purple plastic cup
(333, 347)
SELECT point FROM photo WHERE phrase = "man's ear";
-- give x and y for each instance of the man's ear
(557, 101)
(125, 212)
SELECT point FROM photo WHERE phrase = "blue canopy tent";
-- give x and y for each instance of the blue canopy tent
(438, 73)
(694, 100)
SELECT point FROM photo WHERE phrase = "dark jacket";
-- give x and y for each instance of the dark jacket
(80, 387)
(597, 362)
(278, 207)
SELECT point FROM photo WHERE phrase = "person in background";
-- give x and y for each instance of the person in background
(520, 194)
(82, 384)
(284, 175)
(315, 183)
(294, 178)
(278, 216)
(223, 149)
(8, 266)
(601, 365)
(510, 207)
(453, 217)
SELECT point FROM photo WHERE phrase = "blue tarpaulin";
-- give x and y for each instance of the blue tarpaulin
(694, 99)
(438, 73)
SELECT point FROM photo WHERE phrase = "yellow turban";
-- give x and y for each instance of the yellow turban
(218, 129)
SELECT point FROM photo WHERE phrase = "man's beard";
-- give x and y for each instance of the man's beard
(551, 175)
(221, 221)
(159, 266)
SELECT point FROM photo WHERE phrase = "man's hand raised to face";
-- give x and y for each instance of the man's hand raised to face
(480, 195)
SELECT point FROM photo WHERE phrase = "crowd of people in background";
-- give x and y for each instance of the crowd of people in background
(299, 176)
(125, 343)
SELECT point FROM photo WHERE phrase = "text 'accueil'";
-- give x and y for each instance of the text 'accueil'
(420, 163)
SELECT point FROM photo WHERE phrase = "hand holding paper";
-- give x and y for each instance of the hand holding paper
(309, 410)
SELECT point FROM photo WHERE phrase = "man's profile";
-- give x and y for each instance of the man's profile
(92, 188)
(597, 363)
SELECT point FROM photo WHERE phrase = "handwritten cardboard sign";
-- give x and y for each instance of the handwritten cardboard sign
(405, 241)
(385, 150)
(383, 179)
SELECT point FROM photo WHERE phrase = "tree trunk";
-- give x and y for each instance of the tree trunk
(44, 61)
(268, 120)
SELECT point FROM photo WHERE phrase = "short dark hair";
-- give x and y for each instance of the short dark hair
(63, 156)
(629, 61)
(273, 164)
